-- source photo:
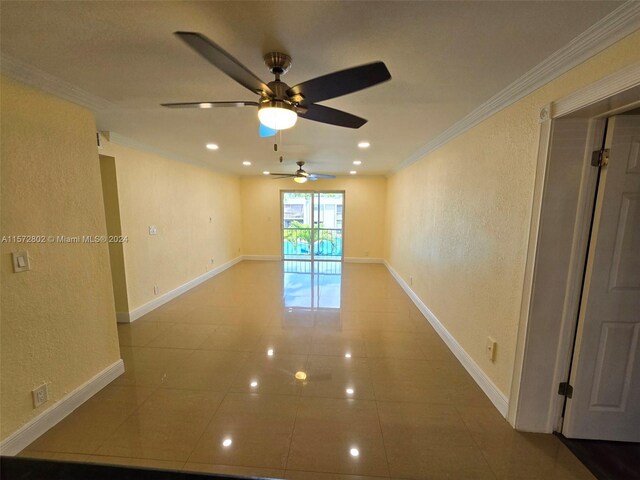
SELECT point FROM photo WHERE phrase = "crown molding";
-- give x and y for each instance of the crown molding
(42, 80)
(623, 21)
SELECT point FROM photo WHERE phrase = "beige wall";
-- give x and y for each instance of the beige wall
(58, 320)
(179, 199)
(114, 229)
(458, 219)
(364, 213)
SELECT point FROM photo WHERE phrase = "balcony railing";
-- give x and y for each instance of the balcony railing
(326, 243)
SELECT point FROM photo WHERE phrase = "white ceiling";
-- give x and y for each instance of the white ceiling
(446, 58)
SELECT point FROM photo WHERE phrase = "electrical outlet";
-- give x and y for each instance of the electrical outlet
(491, 349)
(156, 290)
(40, 395)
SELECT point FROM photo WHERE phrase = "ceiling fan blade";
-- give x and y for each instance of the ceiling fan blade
(315, 176)
(320, 113)
(265, 131)
(283, 175)
(209, 104)
(340, 83)
(225, 62)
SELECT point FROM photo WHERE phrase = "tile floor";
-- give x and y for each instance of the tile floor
(210, 386)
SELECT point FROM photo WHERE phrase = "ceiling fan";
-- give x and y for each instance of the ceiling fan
(301, 175)
(278, 104)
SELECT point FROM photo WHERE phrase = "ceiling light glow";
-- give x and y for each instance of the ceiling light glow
(364, 145)
(266, 172)
(254, 384)
(301, 376)
(354, 452)
(299, 179)
(206, 105)
(347, 355)
(357, 162)
(270, 352)
(227, 442)
(349, 391)
(212, 146)
(352, 172)
(277, 115)
(246, 163)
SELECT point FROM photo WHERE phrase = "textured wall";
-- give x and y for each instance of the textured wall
(114, 229)
(364, 213)
(458, 219)
(179, 199)
(58, 321)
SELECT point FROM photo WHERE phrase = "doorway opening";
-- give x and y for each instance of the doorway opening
(312, 225)
(571, 129)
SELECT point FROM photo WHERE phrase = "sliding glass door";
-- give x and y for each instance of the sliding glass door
(312, 225)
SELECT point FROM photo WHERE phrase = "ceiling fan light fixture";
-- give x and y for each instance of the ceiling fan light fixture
(300, 179)
(277, 114)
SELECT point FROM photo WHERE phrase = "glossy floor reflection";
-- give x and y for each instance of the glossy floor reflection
(210, 385)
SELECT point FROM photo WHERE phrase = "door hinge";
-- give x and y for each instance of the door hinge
(600, 158)
(565, 389)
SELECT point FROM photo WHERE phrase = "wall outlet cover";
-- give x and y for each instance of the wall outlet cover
(40, 395)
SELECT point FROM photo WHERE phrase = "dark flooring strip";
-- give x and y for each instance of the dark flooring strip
(18, 468)
(606, 460)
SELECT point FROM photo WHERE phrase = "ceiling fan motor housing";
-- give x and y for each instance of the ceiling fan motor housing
(278, 63)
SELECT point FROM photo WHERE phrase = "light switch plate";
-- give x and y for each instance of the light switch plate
(153, 230)
(20, 261)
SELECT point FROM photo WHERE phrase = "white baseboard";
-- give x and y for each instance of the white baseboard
(29, 432)
(363, 260)
(269, 258)
(162, 299)
(499, 399)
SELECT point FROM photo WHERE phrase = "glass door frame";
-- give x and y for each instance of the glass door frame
(313, 222)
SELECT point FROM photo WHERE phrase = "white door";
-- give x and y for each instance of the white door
(605, 373)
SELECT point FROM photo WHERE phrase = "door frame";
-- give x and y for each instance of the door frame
(552, 288)
(312, 192)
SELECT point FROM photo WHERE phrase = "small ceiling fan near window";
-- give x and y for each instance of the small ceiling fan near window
(278, 104)
(301, 176)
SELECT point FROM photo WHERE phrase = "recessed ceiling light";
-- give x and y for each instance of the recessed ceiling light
(270, 352)
(357, 162)
(227, 442)
(212, 146)
(206, 105)
(300, 376)
(354, 452)
(347, 355)
(364, 145)
(266, 172)
(349, 391)
(246, 163)
(352, 172)
(254, 384)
